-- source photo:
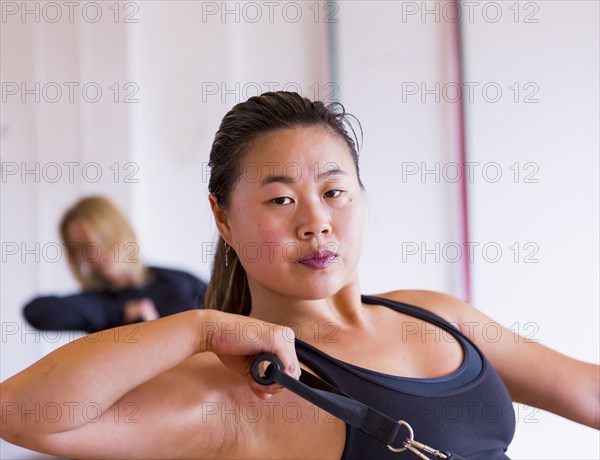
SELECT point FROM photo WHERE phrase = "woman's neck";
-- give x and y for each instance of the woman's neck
(344, 308)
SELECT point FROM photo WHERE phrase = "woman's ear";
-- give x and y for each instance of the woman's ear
(220, 218)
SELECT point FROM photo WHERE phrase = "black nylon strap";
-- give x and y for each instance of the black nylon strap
(353, 412)
(334, 401)
(315, 382)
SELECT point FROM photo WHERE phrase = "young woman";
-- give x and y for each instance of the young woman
(285, 180)
(118, 288)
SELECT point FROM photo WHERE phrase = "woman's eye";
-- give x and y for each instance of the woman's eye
(333, 193)
(282, 200)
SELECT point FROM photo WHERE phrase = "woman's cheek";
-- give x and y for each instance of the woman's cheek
(263, 247)
(352, 234)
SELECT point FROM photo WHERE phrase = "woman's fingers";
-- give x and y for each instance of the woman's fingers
(264, 391)
(238, 339)
(140, 309)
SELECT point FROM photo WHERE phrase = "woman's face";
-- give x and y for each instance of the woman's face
(95, 258)
(295, 215)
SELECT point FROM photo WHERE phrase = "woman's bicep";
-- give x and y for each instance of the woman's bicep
(166, 417)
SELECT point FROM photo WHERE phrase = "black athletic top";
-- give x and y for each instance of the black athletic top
(172, 291)
(468, 412)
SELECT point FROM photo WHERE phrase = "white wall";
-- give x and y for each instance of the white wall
(554, 298)
(174, 56)
(400, 134)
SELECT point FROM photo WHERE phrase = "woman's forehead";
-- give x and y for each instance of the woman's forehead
(313, 147)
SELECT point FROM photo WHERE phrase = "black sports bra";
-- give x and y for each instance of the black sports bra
(468, 412)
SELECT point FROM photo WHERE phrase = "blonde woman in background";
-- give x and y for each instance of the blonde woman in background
(118, 288)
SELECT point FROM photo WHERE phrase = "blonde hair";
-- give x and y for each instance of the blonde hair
(104, 226)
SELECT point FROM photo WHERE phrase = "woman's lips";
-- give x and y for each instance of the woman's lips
(318, 260)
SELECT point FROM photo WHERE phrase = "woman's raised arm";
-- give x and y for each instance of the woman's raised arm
(56, 402)
(533, 373)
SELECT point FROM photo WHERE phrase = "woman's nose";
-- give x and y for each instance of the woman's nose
(314, 222)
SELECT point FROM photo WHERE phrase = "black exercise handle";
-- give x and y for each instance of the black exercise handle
(274, 365)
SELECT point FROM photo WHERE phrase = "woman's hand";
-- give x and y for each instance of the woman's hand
(140, 310)
(236, 339)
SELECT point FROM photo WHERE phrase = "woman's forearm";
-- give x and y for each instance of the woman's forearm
(98, 370)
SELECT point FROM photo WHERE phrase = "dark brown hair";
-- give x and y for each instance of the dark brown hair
(228, 288)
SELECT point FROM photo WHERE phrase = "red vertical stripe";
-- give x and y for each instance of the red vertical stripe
(457, 76)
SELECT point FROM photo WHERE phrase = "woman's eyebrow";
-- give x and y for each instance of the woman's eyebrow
(331, 172)
(272, 179)
(290, 180)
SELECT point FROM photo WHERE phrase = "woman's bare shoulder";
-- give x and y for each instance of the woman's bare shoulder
(443, 305)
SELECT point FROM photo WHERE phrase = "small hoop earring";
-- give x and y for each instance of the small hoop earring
(227, 248)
